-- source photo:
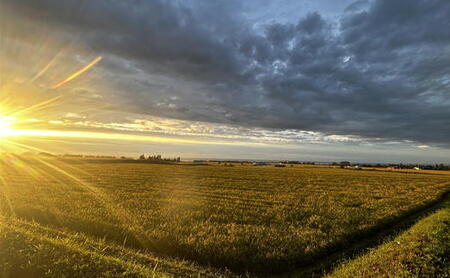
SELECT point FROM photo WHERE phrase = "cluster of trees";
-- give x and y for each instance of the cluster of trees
(436, 167)
(424, 167)
(159, 158)
(83, 156)
(395, 166)
(298, 162)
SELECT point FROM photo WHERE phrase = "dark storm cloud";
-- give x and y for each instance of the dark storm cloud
(382, 71)
(155, 32)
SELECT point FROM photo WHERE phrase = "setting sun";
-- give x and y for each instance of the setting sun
(6, 125)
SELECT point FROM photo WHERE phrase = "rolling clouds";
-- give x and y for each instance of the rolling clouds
(380, 70)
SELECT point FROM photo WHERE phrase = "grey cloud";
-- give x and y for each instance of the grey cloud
(381, 71)
(162, 33)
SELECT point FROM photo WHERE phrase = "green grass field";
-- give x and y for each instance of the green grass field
(422, 251)
(150, 220)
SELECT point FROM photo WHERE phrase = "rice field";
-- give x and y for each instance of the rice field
(180, 220)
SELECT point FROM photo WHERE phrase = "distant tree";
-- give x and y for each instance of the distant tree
(142, 157)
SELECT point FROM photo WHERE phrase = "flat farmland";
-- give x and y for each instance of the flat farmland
(239, 219)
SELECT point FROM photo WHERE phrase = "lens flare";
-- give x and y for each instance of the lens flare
(78, 73)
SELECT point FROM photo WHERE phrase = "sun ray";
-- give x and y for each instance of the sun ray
(46, 68)
(16, 113)
(5, 125)
(58, 166)
(78, 73)
(5, 196)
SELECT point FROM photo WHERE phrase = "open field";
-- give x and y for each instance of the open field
(124, 218)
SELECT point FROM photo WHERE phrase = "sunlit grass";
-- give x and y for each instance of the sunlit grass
(243, 218)
(421, 251)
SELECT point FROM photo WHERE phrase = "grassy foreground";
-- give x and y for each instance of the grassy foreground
(31, 250)
(243, 218)
(421, 251)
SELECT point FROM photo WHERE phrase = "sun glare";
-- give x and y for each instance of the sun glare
(6, 126)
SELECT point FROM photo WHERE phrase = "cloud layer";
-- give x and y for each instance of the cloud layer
(381, 70)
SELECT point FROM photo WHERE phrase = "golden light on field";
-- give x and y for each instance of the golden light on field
(32, 110)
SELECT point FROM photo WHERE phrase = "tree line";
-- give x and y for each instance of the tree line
(158, 158)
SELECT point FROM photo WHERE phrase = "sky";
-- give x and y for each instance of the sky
(319, 80)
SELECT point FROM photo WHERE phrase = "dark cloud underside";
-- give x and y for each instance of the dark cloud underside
(381, 71)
